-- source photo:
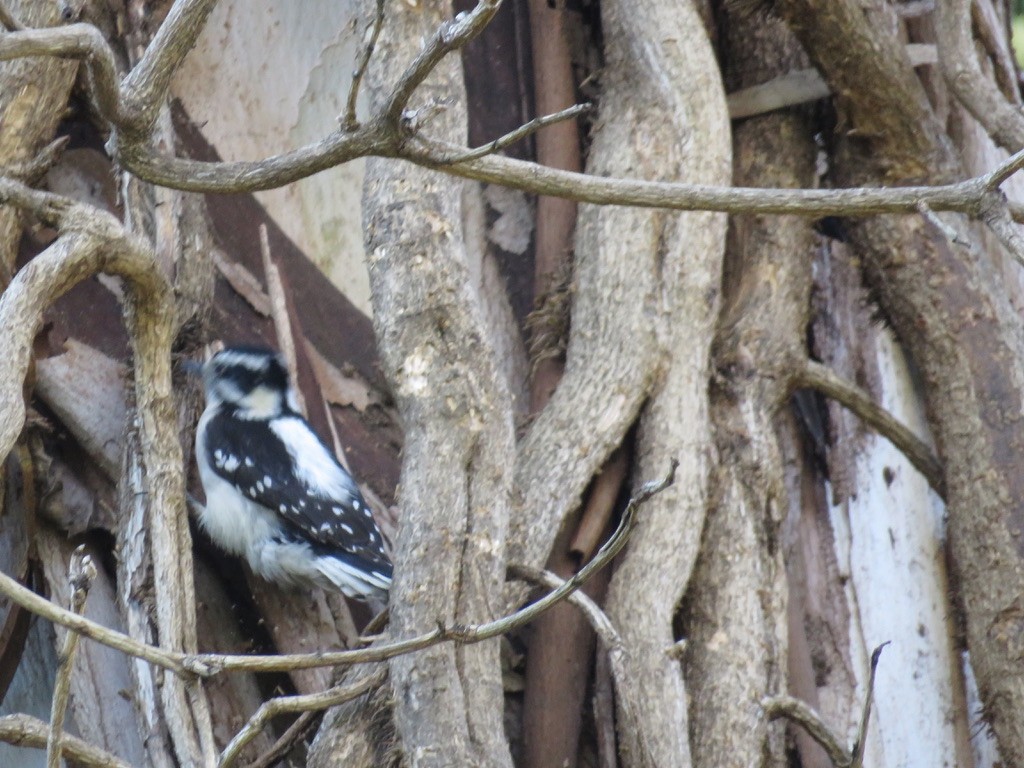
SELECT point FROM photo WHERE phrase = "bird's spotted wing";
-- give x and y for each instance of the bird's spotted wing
(282, 465)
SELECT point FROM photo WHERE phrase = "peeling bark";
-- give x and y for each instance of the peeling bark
(956, 319)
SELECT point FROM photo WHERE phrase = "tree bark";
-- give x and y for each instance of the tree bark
(956, 319)
(33, 97)
(663, 116)
(734, 613)
(458, 427)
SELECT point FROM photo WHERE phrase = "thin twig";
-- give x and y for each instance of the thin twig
(802, 714)
(286, 743)
(814, 375)
(304, 703)
(998, 218)
(857, 758)
(1004, 171)
(81, 573)
(28, 731)
(597, 618)
(950, 232)
(350, 121)
(451, 36)
(518, 134)
(604, 492)
(279, 314)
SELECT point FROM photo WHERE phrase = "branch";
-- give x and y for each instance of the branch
(1003, 171)
(1000, 221)
(814, 375)
(519, 134)
(857, 759)
(75, 41)
(451, 36)
(350, 122)
(27, 731)
(959, 62)
(338, 148)
(597, 618)
(291, 704)
(802, 714)
(178, 663)
(144, 89)
(286, 743)
(334, 149)
(81, 574)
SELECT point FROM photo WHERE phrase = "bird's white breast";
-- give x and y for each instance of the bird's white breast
(236, 523)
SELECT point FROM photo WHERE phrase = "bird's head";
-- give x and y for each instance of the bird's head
(252, 380)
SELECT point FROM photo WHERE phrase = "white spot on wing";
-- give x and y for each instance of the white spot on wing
(249, 462)
(231, 463)
(347, 529)
(267, 481)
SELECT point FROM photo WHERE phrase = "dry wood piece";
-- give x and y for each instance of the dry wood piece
(22, 730)
(81, 573)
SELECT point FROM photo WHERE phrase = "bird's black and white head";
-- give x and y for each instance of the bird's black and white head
(251, 381)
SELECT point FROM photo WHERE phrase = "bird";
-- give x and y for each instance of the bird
(275, 494)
